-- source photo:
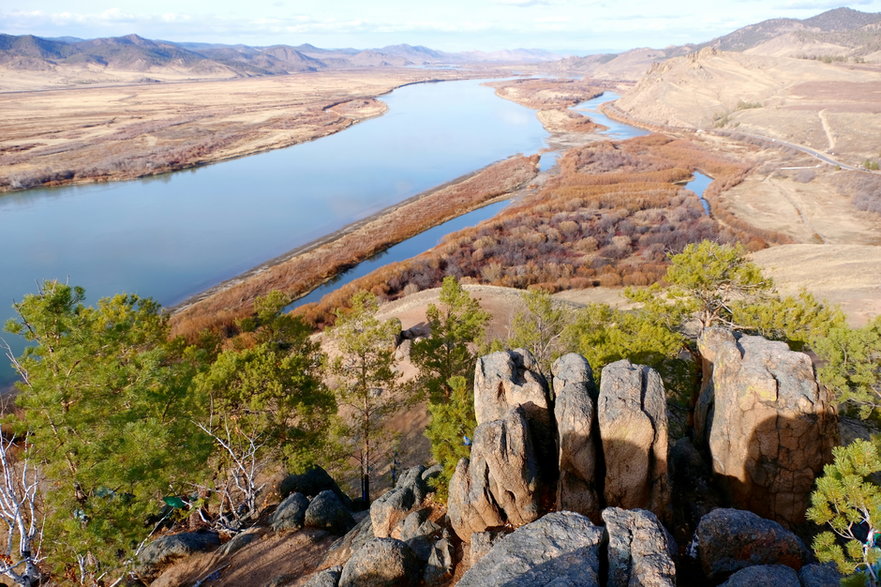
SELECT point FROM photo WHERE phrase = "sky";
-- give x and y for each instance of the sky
(569, 26)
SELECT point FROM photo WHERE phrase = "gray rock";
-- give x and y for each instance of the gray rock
(241, 540)
(507, 379)
(382, 562)
(402, 351)
(819, 575)
(290, 513)
(311, 483)
(482, 543)
(764, 576)
(632, 411)
(729, 540)
(417, 524)
(500, 484)
(769, 427)
(327, 512)
(641, 550)
(326, 578)
(561, 548)
(421, 546)
(440, 566)
(577, 435)
(343, 548)
(167, 548)
(391, 508)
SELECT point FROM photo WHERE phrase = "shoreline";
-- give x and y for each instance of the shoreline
(363, 106)
(306, 267)
(333, 237)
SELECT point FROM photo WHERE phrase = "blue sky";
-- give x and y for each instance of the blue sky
(577, 26)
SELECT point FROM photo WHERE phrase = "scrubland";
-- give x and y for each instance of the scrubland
(608, 219)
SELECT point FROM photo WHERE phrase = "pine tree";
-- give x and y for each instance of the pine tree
(451, 429)
(849, 503)
(365, 381)
(104, 401)
(447, 352)
(539, 328)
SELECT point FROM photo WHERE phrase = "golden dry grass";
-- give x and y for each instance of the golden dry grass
(111, 133)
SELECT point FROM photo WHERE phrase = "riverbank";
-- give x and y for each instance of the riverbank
(88, 135)
(301, 270)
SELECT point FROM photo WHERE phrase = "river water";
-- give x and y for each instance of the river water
(428, 239)
(171, 236)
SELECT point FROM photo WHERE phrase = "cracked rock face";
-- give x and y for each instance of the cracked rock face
(500, 484)
(507, 379)
(769, 427)
(632, 413)
(577, 435)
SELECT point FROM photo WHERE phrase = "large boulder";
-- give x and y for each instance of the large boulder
(632, 413)
(500, 484)
(382, 562)
(327, 512)
(577, 435)
(640, 549)
(729, 540)
(343, 548)
(819, 575)
(392, 507)
(168, 548)
(764, 576)
(326, 578)
(441, 562)
(769, 427)
(311, 483)
(561, 548)
(507, 379)
(290, 513)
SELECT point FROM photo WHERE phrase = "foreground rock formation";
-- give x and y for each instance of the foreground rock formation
(768, 426)
(582, 486)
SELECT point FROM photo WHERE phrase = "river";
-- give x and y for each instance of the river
(171, 236)
(428, 239)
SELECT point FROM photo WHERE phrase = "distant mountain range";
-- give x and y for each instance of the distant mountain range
(842, 34)
(135, 53)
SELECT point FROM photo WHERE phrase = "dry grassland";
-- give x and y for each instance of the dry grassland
(833, 108)
(111, 133)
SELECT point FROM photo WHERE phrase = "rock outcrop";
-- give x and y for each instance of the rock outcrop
(577, 436)
(819, 575)
(768, 425)
(500, 484)
(391, 508)
(771, 575)
(168, 548)
(561, 548)
(729, 540)
(290, 513)
(632, 413)
(311, 483)
(641, 550)
(382, 562)
(507, 379)
(327, 512)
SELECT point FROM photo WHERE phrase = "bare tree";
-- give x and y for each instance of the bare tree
(19, 483)
(239, 490)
